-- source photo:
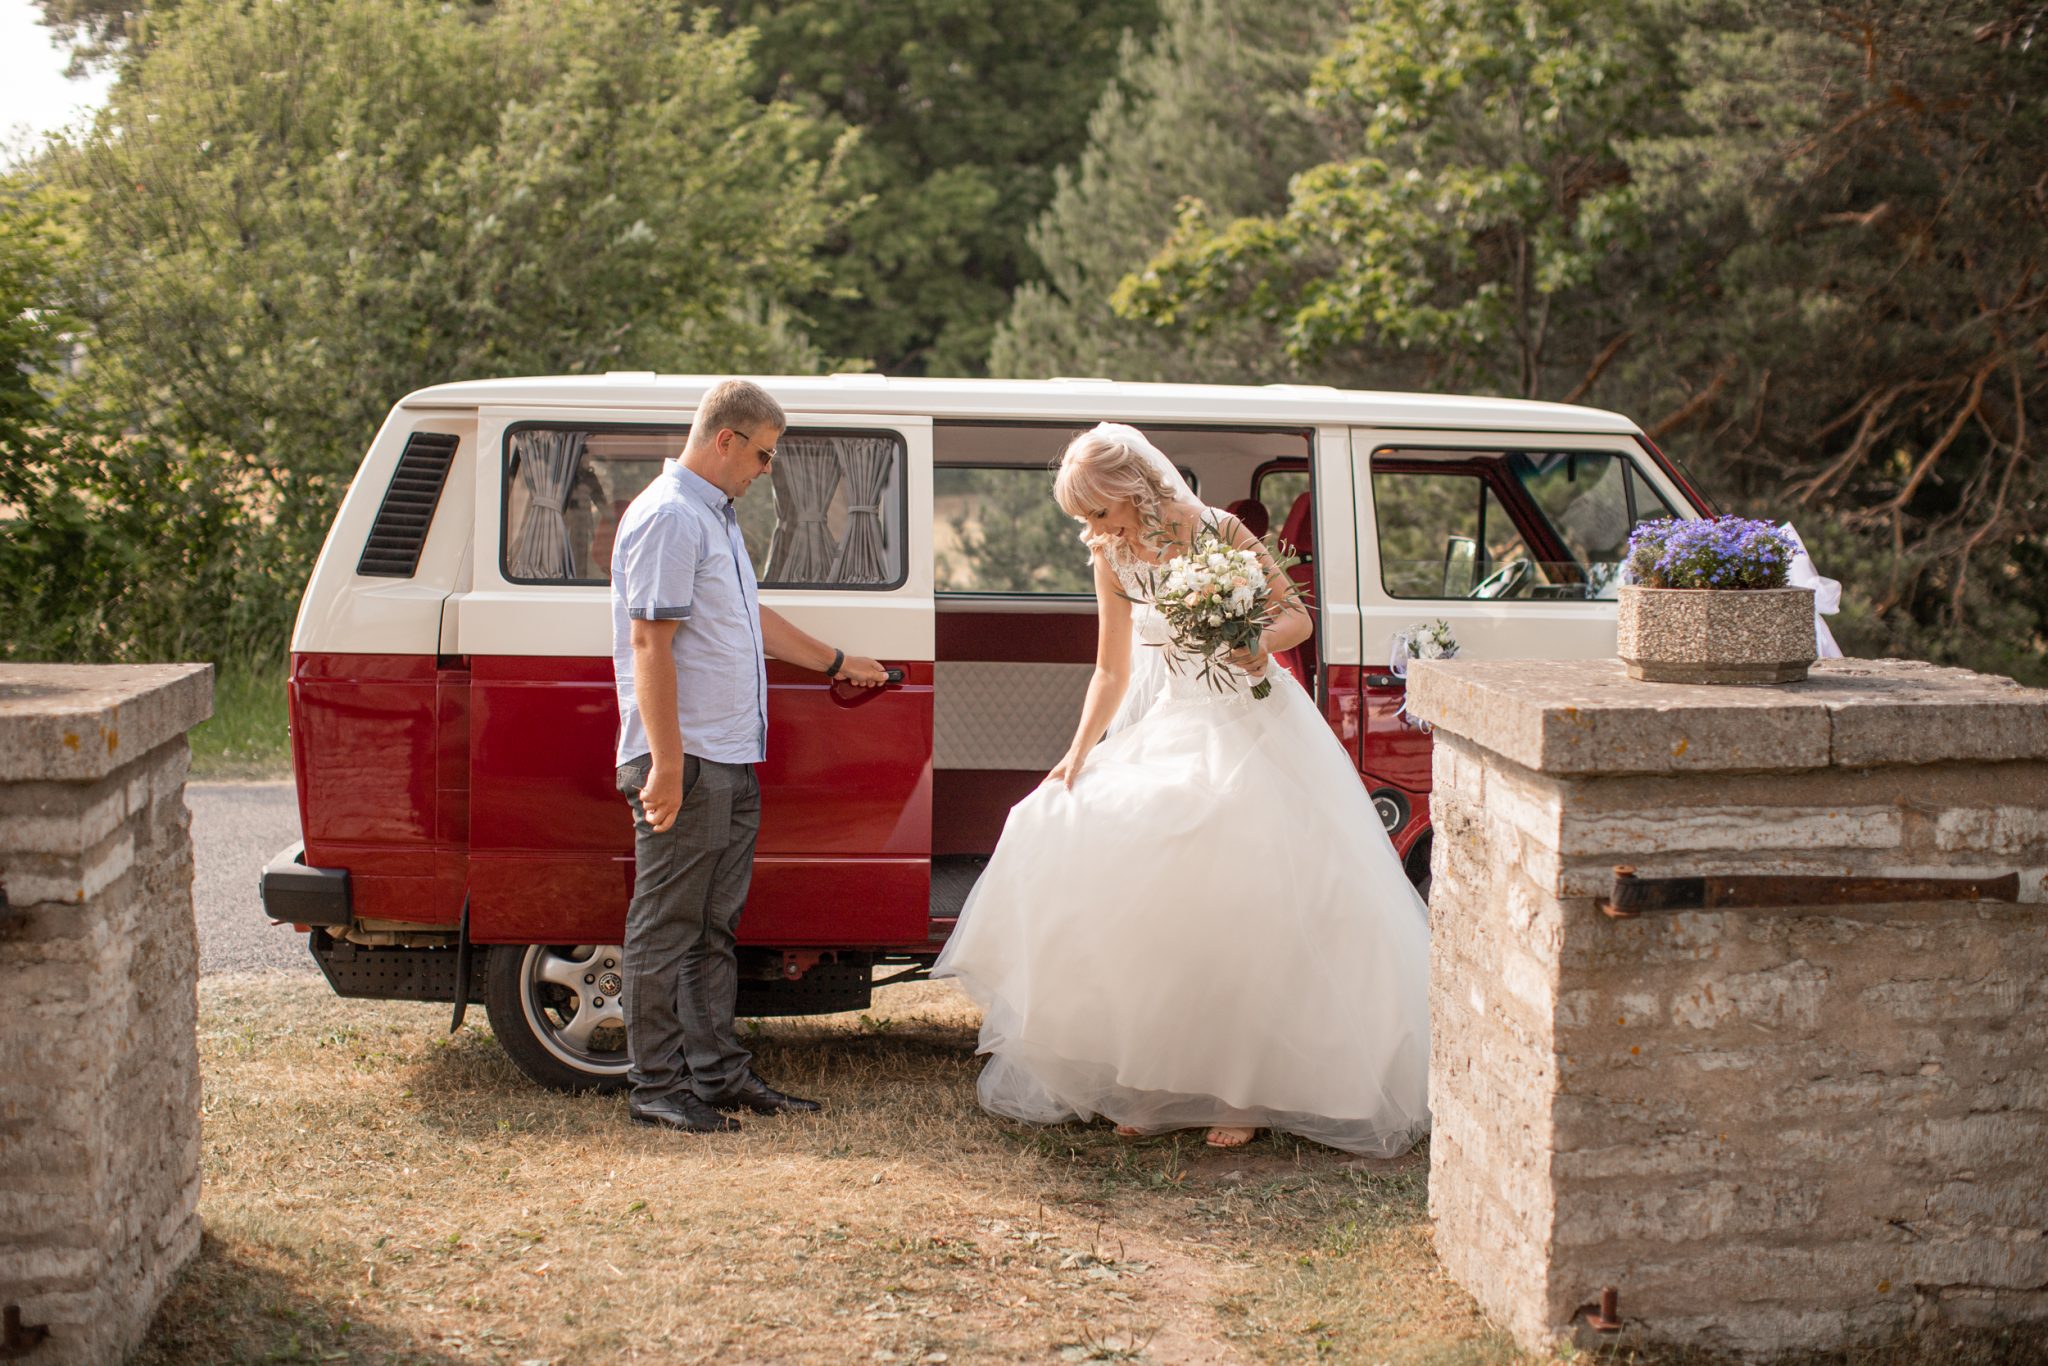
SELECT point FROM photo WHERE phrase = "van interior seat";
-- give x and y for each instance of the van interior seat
(1253, 514)
(1298, 533)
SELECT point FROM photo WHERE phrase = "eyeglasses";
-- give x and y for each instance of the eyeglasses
(765, 454)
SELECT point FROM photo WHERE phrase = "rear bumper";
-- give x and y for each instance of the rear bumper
(300, 895)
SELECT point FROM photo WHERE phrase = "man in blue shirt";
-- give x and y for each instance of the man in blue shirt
(689, 640)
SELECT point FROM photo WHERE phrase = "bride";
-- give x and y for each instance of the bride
(1197, 919)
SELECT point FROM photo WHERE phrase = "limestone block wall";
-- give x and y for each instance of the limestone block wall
(99, 1068)
(1768, 1128)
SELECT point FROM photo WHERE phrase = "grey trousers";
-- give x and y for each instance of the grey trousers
(682, 974)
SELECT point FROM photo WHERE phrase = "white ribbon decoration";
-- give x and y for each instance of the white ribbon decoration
(1827, 593)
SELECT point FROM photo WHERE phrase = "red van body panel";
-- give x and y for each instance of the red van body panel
(377, 743)
(409, 777)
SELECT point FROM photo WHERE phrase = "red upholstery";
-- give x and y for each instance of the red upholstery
(1298, 533)
(1253, 514)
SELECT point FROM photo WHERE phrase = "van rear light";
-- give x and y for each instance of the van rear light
(396, 537)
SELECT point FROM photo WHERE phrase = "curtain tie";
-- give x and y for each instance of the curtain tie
(553, 502)
(810, 521)
(872, 509)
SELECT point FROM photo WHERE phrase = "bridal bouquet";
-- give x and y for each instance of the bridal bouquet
(1430, 640)
(1423, 640)
(1215, 599)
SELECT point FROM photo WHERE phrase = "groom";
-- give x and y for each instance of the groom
(688, 640)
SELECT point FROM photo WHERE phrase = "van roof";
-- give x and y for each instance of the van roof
(1030, 399)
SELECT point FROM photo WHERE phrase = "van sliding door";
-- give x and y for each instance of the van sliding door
(843, 858)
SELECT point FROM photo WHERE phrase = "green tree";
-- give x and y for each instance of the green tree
(1479, 230)
(963, 108)
(94, 29)
(110, 548)
(1802, 242)
(289, 216)
(1210, 107)
(1861, 336)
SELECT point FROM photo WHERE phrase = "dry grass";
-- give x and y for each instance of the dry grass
(377, 1191)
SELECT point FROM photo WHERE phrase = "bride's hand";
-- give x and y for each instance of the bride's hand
(1067, 769)
(1252, 662)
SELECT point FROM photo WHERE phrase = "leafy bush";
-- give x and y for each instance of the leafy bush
(290, 216)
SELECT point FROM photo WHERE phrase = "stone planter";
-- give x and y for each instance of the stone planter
(1716, 635)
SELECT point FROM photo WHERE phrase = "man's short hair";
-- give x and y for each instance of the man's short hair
(739, 404)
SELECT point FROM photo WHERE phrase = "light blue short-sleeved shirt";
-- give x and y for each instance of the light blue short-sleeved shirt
(679, 556)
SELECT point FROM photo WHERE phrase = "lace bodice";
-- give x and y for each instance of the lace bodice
(1153, 642)
(1134, 576)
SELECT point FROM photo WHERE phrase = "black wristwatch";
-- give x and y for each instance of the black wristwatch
(838, 658)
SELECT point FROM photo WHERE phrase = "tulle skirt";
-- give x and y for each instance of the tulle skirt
(1209, 928)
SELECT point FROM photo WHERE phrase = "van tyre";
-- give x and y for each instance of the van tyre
(555, 1009)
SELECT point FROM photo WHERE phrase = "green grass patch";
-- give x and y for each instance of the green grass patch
(247, 736)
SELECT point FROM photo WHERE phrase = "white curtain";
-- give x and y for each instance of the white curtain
(805, 476)
(547, 462)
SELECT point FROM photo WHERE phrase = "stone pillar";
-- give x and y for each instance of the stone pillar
(1773, 1128)
(99, 1061)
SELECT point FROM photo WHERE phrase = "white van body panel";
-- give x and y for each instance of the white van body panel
(344, 612)
(1297, 405)
(458, 602)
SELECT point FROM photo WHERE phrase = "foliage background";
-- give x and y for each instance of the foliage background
(1804, 243)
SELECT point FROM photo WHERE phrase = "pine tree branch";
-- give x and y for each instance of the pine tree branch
(1599, 367)
(1695, 405)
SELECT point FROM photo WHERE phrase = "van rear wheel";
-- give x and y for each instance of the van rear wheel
(556, 1011)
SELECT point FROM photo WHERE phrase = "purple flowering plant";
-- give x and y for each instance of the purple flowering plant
(1720, 552)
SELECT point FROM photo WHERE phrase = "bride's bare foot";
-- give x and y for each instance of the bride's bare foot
(1126, 1131)
(1230, 1137)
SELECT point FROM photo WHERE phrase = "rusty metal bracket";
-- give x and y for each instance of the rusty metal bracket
(1604, 1317)
(1634, 896)
(16, 1339)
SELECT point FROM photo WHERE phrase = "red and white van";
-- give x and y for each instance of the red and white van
(452, 709)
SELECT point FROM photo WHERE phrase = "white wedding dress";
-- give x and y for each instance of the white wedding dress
(1210, 928)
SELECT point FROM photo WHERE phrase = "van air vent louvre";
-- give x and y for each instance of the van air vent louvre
(393, 550)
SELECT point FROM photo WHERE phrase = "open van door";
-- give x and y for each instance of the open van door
(841, 541)
(1515, 538)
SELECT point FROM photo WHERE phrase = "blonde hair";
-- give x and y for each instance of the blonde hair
(739, 404)
(1098, 469)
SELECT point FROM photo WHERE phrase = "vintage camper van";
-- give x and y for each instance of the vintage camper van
(452, 710)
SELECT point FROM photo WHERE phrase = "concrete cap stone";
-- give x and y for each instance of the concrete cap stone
(80, 722)
(1589, 716)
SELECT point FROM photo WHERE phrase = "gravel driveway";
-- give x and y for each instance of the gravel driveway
(236, 828)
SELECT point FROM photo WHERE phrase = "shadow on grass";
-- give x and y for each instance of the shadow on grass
(466, 1085)
(234, 1305)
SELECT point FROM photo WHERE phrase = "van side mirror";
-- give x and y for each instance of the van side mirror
(1461, 562)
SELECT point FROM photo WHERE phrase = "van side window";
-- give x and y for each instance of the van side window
(1507, 524)
(831, 513)
(996, 529)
